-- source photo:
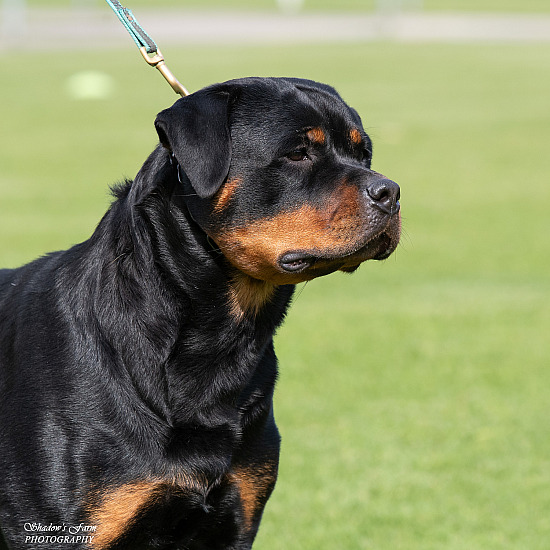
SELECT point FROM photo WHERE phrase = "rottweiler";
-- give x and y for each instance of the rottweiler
(137, 368)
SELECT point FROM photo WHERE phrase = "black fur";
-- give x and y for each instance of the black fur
(137, 368)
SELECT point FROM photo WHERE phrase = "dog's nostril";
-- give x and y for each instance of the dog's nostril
(385, 194)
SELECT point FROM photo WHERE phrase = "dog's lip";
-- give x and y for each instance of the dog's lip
(296, 261)
(378, 247)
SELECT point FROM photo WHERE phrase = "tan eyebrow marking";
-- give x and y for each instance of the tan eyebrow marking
(355, 136)
(316, 135)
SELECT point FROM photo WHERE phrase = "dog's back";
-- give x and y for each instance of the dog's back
(6, 276)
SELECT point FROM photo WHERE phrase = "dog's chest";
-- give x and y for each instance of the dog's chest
(161, 514)
(204, 499)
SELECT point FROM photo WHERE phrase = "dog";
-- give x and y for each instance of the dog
(137, 368)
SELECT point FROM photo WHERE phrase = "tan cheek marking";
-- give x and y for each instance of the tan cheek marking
(255, 486)
(248, 295)
(316, 135)
(225, 194)
(346, 206)
(117, 510)
(255, 248)
(355, 136)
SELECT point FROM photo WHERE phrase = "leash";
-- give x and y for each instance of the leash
(146, 45)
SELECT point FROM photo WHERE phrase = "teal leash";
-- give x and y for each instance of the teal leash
(141, 38)
(146, 45)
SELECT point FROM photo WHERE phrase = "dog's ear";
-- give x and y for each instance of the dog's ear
(196, 130)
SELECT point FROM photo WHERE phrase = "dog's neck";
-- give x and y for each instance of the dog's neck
(178, 298)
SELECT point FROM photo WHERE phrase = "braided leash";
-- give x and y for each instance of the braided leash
(146, 45)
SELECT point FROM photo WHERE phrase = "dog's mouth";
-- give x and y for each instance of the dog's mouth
(272, 252)
(298, 261)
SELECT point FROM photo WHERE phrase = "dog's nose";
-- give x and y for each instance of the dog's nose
(385, 195)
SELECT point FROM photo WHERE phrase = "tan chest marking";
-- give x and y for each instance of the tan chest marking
(118, 509)
(115, 510)
(247, 295)
(255, 484)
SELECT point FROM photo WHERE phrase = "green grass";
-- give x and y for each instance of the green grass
(315, 5)
(413, 399)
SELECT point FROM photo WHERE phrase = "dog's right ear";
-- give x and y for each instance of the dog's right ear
(196, 130)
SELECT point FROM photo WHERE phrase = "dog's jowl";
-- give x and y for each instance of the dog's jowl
(137, 368)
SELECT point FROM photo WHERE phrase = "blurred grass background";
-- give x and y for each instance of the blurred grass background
(356, 5)
(413, 398)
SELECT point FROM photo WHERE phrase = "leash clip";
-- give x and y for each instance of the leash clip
(146, 45)
(157, 60)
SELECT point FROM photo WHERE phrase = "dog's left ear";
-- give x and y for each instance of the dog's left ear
(196, 130)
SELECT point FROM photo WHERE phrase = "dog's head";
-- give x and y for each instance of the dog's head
(280, 176)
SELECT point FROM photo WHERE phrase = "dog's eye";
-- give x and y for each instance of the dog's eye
(298, 155)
